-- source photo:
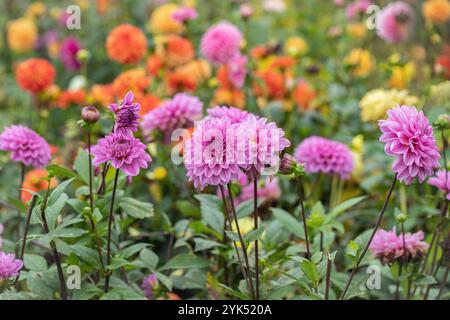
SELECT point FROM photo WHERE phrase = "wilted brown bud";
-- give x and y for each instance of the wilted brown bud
(90, 114)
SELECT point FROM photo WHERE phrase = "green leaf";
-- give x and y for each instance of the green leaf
(81, 165)
(66, 233)
(246, 208)
(254, 235)
(86, 292)
(63, 172)
(204, 244)
(165, 280)
(137, 209)
(346, 205)
(185, 261)
(149, 258)
(34, 262)
(86, 254)
(211, 210)
(352, 249)
(187, 208)
(52, 212)
(232, 235)
(58, 191)
(310, 270)
(289, 222)
(133, 249)
(117, 263)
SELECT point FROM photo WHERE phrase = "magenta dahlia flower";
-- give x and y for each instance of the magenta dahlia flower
(68, 53)
(221, 43)
(179, 112)
(25, 145)
(318, 154)
(262, 143)
(441, 181)
(237, 70)
(124, 151)
(148, 285)
(210, 154)
(389, 247)
(9, 266)
(126, 115)
(268, 190)
(395, 22)
(408, 136)
(357, 7)
(234, 114)
(184, 14)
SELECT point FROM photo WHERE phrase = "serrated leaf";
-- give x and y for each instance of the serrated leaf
(346, 205)
(137, 209)
(254, 235)
(205, 244)
(58, 191)
(149, 258)
(34, 262)
(185, 261)
(211, 211)
(52, 212)
(289, 222)
(133, 249)
(81, 165)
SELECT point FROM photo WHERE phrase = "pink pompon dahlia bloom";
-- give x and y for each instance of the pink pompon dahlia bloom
(262, 143)
(237, 70)
(210, 154)
(149, 284)
(124, 151)
(221, 43)
(389, 247)
(9, 266)
(357, 8)
(184, 14)
(234, 114)
(441, 181)
(68, 53)
(126, 114)
(179, 112)
(395, 22)
(318, 154)
(268, 190)
(25, 145)
(408, 136)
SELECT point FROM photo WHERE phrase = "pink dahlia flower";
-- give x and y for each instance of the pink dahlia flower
(318, 154)
(179, 112)
(237, 70)
(358, 7)
(126, 115)
(148, 285)
(9, 266)
(441, 181)
(262, 143)
(395, 22)
(124, 151)
(268, 190)
(184, 14)
(234, 114)
(210, 154)
(221, 43)
(389, 247)
(408, 136)
(26, 146)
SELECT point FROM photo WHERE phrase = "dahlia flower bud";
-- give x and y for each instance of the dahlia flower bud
(442, 122)
(83, 55)
(290, 166)
(90, 114)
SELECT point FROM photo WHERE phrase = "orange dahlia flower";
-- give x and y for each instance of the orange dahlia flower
(154, 64)
(437, 11)
(126, 44)
(35, 75)
(71, 97)
(303, 95)
(34, 181)
(135, 80)
(176, 50)
(22, 35)
(148, 102)
(103, 94)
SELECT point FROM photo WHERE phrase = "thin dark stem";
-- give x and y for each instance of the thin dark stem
(305, 227)
(444, 281)
(255, 222)
(25, 233)
(224, 242)
(404, 260)
(62, 282)
(377, 225)
(110, 219)
(241, 264)
(19, 215)
(241, 239)
(328, 277)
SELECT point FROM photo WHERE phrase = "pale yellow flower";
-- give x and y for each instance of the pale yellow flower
(357, 149)
(440, 93)
(402, 75)
(295, 46)
(376, 102)
(357, 30)
(35, 9)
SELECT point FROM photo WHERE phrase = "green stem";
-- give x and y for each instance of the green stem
(19, 214)
(305, 227)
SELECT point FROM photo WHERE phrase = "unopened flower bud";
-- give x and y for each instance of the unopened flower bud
(442, 122)
(83, 55)
(290, 166)
(401, 218)
(90, 114)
